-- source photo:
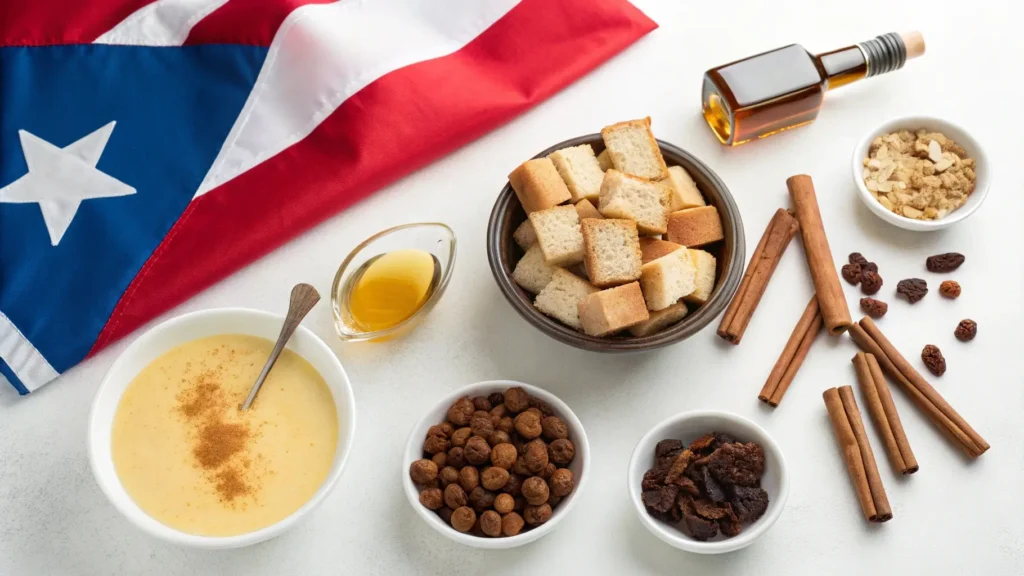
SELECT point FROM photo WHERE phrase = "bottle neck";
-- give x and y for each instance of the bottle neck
(879, 55)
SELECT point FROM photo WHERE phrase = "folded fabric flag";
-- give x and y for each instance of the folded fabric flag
(148, 148)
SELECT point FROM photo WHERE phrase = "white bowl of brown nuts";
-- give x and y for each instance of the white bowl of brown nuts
(496, 465)
(921, 173)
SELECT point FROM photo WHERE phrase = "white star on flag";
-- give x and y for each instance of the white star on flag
(58, 179)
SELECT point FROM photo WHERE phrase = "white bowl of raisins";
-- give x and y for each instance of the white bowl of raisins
(496, 464)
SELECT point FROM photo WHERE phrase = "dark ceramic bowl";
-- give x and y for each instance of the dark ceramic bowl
(503, 254)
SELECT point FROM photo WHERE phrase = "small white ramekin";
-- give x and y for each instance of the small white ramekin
(961, 136)
(180, 330)
(580, 465)
(687, 427)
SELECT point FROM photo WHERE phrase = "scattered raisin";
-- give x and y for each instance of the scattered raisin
(912, 288)
(870, 282)
(851, 272)
(460, 412)
(423, 471)
(944, 262)
(949, 288)
(857, 258)
(932, 357)
(873, 308)
(966, 330)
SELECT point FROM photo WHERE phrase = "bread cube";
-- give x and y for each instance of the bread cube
(604, 161)
(608, 311)
(631, 198)
(695, 227)
(558, 234)
(704, 284)
(683, 189)
(667, 279)
(587, 210)
(560, 299)
(652, 249)
(660, 320)
(532, 273)
(580, 170)
(524, 235)
(632, 149)
(611, 251)
(538, 185)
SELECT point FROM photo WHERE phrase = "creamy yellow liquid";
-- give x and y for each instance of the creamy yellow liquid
(391, 289)
(190, 459)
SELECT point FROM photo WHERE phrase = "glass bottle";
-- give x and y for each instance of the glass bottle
(783, 88)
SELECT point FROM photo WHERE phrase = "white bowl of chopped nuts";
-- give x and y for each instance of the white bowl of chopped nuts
(921, 173)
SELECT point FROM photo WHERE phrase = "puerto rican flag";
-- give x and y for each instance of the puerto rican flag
(148, 148)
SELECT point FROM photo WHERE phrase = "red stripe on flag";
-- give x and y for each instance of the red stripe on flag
(44, 23)
(374, 138)
(250, 22)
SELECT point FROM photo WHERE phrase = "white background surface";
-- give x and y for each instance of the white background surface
(953, 517)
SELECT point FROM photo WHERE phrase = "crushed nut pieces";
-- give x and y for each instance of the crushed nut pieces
(920, 175)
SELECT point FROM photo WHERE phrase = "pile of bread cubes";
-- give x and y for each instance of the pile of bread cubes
(613, 241)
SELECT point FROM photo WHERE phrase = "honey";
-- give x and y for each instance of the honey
(388, 289)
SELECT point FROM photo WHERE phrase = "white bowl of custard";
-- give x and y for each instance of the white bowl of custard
(173, 453)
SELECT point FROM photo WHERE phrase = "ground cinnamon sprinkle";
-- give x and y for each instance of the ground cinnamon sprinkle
(218, 442)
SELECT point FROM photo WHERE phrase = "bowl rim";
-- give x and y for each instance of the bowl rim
(690, 325)
(676, 538)
(968, 141)
(122, 501)
(412, 452)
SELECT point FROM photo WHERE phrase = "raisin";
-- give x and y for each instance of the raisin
(932, 357)
(851, 272)
(966, 330)
(741, 464)
(950, 288)
(857, 258)
(870, 282)
(749, 503)
(913, 288)
(873, 308)
(944, 262)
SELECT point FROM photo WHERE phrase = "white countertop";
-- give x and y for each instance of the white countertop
(952, 517)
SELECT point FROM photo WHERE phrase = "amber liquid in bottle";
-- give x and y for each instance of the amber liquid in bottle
(784, 88)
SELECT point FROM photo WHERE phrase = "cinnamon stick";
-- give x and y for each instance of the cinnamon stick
(883, 413)
(856, 452)
(831, 299)
(793, 355)
(781, 229)
(867, 335)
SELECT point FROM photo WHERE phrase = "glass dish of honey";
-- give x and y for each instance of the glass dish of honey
(388, 283)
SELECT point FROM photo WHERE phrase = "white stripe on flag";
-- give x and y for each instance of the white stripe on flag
(161, 23)
(22, 357)
(323, 54)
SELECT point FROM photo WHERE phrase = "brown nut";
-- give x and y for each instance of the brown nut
(460, 436)
(448, 475)
(504, 503)
(481, 499)
(437, 430)
(535, 490)
(870, 282)
(440, 459)
(456, 458)
(423, 471)
(520, 504)
(561, 451)
(481, 424)
(950, 288)
(506, 424)
(544, 407)
(460, 412)
(553, 428)
(463, 519)
(966, 330)
(528, 424)
(548, 470)
(490, 523)
(561, 482)
(498, 437)
(503, 455)
(933, 359)
(496, 398)
(447, 428)
(553, 501)
(477, 451)
(445, 514)
(494, 478)
(432, 498)
(498, 412)
(511, 524)
(535, 457)
(454, 496)
(516, 399)
(514, 486)
(535, 515)
(435, 443)
(482, 403)
(469, 478)
(519, 467)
